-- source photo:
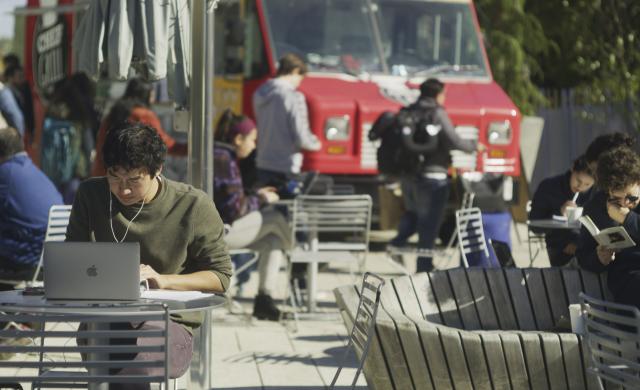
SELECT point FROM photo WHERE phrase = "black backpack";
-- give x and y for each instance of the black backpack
(406, 139)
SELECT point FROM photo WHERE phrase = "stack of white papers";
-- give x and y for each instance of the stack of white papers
(173, 295)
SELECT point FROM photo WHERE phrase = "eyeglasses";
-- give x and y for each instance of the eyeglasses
(128, 182)
(627, 198)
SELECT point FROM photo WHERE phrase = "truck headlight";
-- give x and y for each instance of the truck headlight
(499, 133)
(336, 128)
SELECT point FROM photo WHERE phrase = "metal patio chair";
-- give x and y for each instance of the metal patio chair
(363, 323)
(46, 361)
(471, 238)
(327, 229)
(56, 229)
(612, 333)
(467, 203)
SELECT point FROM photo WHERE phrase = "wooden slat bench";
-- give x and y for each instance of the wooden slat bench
(474, 328)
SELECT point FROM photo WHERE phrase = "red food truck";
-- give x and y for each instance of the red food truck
(365, 57)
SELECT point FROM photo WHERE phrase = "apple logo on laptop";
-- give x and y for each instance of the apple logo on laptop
(92, 271)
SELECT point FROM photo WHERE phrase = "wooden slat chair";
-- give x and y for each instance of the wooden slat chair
(479, 328)
(363, 323)
(51, 362)
(612, 332)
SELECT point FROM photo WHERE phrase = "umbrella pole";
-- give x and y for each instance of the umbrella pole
(210, 109)
(200, 159)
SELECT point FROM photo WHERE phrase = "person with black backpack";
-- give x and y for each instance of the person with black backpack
(421, 136)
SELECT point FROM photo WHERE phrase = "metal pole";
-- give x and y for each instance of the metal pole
(197, 98)
(209, 112)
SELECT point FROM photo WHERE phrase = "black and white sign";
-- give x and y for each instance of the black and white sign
(49, 54)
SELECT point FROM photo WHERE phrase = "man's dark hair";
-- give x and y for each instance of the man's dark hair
(290, 62)
(606, 142)
(10, 142)
(580, 164)
(10, 59)
(132, 146)
(618, 168)
(11, 70)
(431, 88)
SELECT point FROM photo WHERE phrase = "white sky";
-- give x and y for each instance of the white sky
(6, 18)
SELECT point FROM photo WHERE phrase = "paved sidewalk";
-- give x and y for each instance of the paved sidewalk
(252, 354)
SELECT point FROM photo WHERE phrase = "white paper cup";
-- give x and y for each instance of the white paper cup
(577, 321)
(573, 213)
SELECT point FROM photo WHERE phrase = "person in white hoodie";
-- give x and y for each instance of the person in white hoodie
(283, 124)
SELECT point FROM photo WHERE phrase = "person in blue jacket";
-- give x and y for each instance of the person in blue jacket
(26, 194)
(552, 197)
(10, 109)
(617, 204)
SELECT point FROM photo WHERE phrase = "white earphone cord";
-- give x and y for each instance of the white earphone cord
(130, 222)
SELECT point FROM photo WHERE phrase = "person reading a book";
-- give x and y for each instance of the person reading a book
(617, 204)
(553, 196)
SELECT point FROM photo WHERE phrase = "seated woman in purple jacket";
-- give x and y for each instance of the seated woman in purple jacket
(252, 225)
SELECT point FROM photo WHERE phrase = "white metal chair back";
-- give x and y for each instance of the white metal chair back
(335, 229)
(612, 332)
(320, 215)
(100, 341)
(467, 202)
(363, 323)
(56, 229)
(471, 237)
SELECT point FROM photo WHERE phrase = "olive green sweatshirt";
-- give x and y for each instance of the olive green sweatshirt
(179, 232)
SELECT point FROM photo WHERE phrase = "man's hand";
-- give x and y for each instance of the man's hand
(268, 194)
(617, 212)
(150, 275)
(480, 147)
(605, 255)
(569, 203)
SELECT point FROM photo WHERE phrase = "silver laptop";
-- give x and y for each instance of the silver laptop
(91, 270)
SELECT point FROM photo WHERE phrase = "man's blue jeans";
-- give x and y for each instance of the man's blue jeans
(425, 200)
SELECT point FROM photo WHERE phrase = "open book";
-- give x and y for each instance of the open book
(612, 238)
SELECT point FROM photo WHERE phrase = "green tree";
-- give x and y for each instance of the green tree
(514, 40)
(597, 41)
(597, 49)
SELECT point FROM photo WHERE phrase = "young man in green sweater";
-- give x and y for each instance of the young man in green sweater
(178, 227)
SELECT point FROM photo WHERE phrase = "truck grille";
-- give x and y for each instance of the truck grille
(460, 159)
(368, 155)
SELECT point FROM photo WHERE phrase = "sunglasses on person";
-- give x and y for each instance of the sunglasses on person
(627, 198)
